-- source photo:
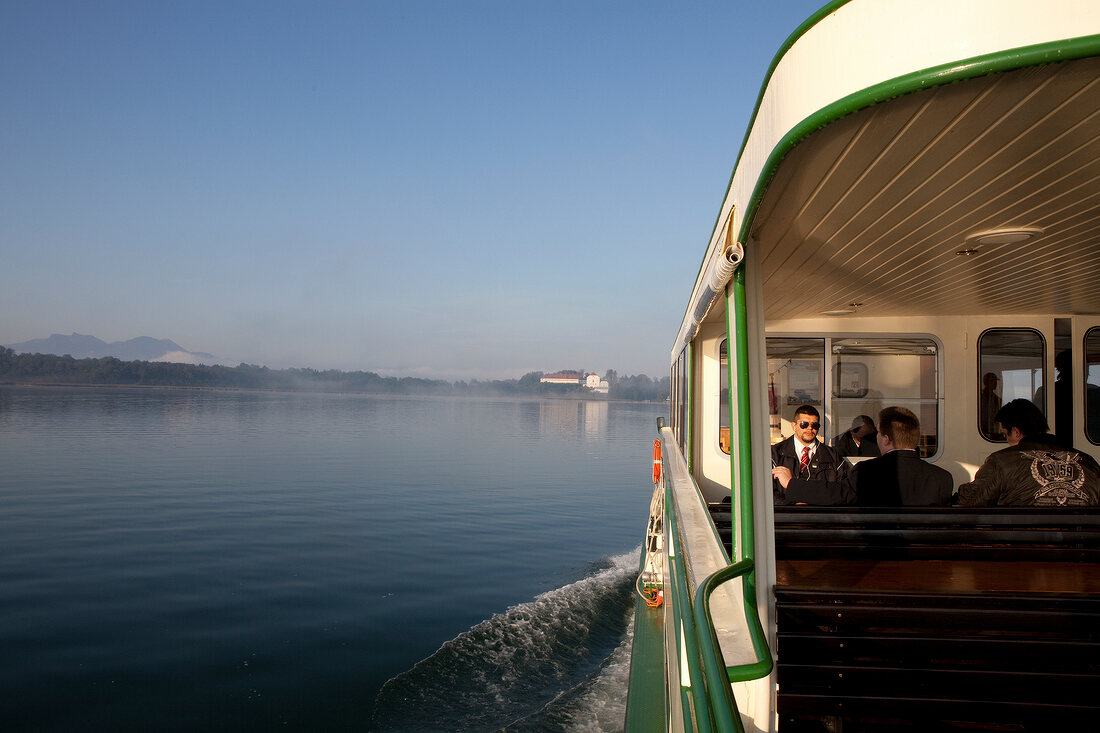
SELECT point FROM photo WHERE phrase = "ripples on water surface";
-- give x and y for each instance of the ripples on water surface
(182, 560)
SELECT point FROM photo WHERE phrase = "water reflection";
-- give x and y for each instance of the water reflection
(595, 418)
(582, 418)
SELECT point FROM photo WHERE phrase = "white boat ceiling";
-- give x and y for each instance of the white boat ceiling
(872, 212)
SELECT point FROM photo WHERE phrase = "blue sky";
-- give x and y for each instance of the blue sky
(449, 189)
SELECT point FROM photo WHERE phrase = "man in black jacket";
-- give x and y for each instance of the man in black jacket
(899, 477)
(1035, 469)
(805, 470)
(861, 440)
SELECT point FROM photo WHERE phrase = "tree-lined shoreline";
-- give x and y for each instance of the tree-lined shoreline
(50, 369)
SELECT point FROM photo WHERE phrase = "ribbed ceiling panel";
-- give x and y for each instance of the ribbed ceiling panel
(873, 208)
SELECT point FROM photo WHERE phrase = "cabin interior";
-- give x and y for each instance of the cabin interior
(953, 372)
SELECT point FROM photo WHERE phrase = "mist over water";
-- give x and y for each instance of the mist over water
(181, 560)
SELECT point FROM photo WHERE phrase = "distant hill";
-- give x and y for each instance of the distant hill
(142, 348)
(35, 363)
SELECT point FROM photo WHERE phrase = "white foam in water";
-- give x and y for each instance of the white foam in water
(602, 707)
(558, 662)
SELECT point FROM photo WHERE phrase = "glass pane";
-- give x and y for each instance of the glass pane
(1092, 385)
(870, 374)
(680, 395)
(672, 401)
(1062, 424)
(796, 375)
(1010, 362)
(723, 398)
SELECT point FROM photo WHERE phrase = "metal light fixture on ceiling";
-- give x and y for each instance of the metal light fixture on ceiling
(849, 310)
(1005, 235)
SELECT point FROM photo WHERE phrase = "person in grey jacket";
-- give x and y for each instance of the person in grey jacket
(1035, 469)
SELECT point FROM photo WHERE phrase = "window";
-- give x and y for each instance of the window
(1010, 365)
(1092, 385)
(870, 374)
(724, 397)
(679, 399)
(796, 368)
(866, 375)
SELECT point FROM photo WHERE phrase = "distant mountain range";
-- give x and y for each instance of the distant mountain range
(142, 348)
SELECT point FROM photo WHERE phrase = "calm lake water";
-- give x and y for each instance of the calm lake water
(177, 560)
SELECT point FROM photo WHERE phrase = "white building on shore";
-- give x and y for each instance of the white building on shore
(594, 383)
(590, 382)
(563, 378)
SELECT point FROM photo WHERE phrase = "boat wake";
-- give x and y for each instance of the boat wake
(558, 662)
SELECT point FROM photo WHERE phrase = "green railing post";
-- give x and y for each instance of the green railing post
(739, 357)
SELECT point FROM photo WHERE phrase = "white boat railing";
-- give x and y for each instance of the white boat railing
(712, 637)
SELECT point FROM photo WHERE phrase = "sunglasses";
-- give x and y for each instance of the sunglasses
(804, 425)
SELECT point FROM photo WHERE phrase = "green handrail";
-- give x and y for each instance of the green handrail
(740, 672)
(711, 698)
(739, 360)
(723, 705)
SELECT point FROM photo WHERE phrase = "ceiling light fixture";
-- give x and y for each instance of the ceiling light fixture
(1007, 235)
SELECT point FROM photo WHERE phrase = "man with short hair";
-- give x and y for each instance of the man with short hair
(1035, 469)
(805, 470)
(900, 477)
(861, 441)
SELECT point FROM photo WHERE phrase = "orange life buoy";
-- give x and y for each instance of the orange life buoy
(656, 461)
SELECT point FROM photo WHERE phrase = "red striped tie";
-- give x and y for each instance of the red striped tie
(805, 459)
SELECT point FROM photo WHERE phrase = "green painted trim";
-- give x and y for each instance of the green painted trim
(646, 709)
(791, 40)
(723, 704)
(972, 68)
(738, 304)
(742, 672)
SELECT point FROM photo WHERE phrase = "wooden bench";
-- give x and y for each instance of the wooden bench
(953, 533)
(936, 619)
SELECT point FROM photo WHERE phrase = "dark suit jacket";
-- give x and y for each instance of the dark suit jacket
(846, 445)
(901, 478)
(827, 482)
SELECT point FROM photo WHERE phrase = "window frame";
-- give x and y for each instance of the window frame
(828, 376)
(980, 375)
(1085, 382)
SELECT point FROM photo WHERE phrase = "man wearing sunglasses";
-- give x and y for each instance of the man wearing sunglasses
(805, 470)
